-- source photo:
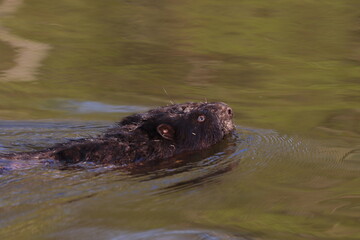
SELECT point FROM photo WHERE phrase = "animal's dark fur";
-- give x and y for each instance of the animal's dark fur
(157, 134)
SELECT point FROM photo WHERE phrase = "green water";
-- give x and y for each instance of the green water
(289, 69)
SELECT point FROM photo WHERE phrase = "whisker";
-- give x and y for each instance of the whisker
(172, 102)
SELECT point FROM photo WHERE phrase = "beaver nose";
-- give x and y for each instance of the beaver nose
(229, 112)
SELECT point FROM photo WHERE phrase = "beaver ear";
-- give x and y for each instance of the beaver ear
(166, 131)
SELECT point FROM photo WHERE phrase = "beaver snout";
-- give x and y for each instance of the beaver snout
(226, 115)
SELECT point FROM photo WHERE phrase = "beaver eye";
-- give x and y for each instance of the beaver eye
(201, 118)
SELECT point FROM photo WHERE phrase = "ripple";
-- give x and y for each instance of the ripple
(156, 234)
(161, 234)
(248, 151)
(268, 147)
(34, 135)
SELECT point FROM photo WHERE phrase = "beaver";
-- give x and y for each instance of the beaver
(160, 133)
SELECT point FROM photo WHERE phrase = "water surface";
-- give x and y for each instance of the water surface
(290, 71)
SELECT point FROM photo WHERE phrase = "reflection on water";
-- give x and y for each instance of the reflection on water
(29, 53)
(73, 106)
(289, 70)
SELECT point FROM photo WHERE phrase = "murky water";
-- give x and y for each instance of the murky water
(290, 70)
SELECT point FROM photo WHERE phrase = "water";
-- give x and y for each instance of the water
(290, 71)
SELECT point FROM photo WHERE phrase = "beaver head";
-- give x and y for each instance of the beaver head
(183, 127)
